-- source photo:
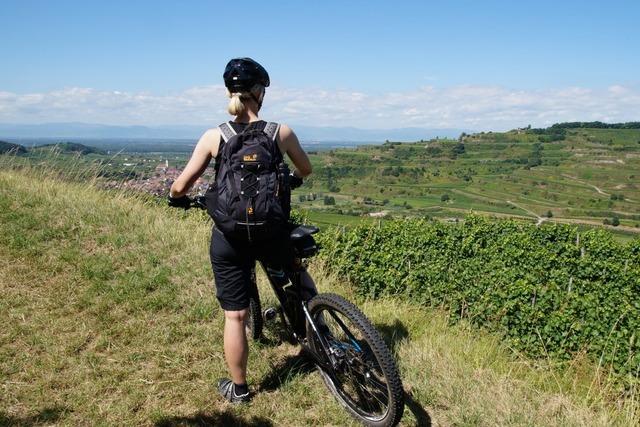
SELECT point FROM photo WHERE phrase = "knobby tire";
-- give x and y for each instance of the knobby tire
(380, 383)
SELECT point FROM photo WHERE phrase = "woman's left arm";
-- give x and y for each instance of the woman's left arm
(205, 149)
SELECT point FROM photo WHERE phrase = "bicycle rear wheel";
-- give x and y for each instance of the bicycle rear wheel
(365, 379)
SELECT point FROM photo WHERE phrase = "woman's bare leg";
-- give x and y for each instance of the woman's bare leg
(236, 348)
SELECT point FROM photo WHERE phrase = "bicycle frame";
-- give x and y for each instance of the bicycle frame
(286, 286)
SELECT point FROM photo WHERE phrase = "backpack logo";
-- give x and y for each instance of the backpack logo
(250, 157)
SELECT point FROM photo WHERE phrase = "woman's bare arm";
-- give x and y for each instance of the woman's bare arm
(205, 150)
(291, 146)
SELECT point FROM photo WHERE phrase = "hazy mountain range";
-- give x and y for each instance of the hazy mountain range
(309, 134)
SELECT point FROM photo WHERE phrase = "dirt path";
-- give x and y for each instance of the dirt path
(540, 220)
(586, 183)
(526, 210)
(598, 189)
(493, 199)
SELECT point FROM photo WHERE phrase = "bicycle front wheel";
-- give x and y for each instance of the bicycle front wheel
(364, 377)
(255, 321)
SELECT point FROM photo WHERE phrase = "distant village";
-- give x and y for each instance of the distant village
(159, 182)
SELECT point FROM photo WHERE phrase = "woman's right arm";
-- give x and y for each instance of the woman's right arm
(206, 149)
(291, 146)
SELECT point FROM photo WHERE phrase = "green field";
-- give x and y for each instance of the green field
(589, 177)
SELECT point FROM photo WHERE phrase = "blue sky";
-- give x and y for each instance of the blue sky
(410, 60)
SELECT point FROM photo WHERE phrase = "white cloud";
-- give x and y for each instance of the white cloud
(469, 106)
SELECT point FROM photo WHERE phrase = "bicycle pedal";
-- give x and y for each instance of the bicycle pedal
(269, 314)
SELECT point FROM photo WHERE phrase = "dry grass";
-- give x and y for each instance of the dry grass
(109, 318)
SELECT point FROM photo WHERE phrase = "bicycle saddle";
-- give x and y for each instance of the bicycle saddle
(303, 230)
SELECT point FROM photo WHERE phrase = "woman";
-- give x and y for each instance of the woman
(233, 260)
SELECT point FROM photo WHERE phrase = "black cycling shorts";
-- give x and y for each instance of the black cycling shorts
(233, 260)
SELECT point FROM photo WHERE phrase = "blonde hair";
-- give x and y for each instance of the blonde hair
(237, 102)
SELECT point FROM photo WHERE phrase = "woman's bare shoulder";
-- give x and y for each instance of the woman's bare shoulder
(286, 135)
(211, 139)
(285, 130)
(211, 134)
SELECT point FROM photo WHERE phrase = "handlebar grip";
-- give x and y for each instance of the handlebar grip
(183, 202)
(294, 181)
(199, 202)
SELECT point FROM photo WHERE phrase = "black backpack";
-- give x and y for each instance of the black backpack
(250, 196)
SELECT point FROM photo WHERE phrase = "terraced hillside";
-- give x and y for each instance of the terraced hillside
(587, 176)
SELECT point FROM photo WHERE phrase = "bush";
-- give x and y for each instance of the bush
(458, 149)
(445, 198)
(329, 200)
(550, 290)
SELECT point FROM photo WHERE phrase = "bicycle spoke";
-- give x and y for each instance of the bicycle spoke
(362, 375)
(367, 393)
(375, 393)
(378, 389)
(363, 398)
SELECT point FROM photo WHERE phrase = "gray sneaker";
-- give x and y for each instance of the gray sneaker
(227, 390)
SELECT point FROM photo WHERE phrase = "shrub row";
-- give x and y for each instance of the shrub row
(550, 290)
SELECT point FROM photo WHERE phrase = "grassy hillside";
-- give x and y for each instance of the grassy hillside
(109, 318)
(7, 147)
(68, 148)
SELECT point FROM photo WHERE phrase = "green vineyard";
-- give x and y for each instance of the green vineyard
(552, 291)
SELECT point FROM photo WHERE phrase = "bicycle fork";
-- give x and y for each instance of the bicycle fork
(326, 348)
(284, 285)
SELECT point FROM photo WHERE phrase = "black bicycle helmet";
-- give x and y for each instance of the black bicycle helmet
(241, 74)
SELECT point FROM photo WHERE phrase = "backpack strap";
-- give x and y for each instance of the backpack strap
(226, 131)
(271, 129)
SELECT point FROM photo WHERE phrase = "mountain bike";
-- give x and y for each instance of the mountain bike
(350, 354)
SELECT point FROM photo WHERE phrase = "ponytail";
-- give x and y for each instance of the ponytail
(237, 102)
(236, 106)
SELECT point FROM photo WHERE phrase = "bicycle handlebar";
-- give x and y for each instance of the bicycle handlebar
(186, 202)
(200, 202)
